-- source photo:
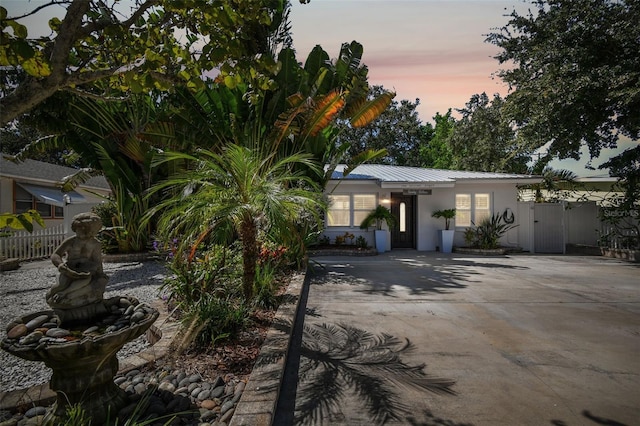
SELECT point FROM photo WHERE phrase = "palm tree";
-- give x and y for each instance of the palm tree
(237, 191)
(117, 139)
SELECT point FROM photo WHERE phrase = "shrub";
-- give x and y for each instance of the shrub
(361, 242)
(487, 234)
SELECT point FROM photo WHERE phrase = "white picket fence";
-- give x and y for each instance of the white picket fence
(27, 246)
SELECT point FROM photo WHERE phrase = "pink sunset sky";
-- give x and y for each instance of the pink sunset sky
(426, 49)
(433, 50)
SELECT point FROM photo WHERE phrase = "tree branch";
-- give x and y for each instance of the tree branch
(101, 25)
(38, 9)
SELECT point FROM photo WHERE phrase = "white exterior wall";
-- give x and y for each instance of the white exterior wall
(359, 187)
(503, 196)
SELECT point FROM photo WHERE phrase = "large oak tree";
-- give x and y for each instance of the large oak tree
(574, 71)
(151, 44)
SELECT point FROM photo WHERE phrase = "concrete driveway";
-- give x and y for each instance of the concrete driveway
(518, 340)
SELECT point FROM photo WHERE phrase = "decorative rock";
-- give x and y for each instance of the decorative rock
(12, 324)
(140, 388)
(195, 378)
(31, 338)
(37, 322)
(203, 395)
(192, 386)
(226, 407)
(50, 324)
(33, 421)
(196, 392)
(17, 331)
(120, 380)
(168, 386)
(206, 415)
(138, 316)
(91, 330)
(217, 392)
(208, 404)
(58, 332)
(124, 302)
(132, 373)
(35, 411)
(227, 416)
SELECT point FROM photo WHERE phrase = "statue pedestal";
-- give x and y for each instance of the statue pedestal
(85, 363)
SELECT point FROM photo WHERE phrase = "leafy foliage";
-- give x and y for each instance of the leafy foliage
(487, 234)
(238, 192)
(577, 73)
(21, 220)
(397, 129)
(136, 50)
(437, 152)
(377, 216)
(446, 214)
(484, 140)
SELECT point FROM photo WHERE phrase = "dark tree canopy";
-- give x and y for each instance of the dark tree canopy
(398, 130)
(437, 153)
(484, 140)
(576, 77)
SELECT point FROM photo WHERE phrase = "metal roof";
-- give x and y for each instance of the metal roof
(383, 173)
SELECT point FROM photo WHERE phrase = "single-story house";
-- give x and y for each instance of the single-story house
(413, 194)
(32, 184)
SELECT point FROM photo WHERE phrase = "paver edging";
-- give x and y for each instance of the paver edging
(258, 403)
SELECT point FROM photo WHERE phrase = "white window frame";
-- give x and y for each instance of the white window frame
(355, 214)
(476, 202)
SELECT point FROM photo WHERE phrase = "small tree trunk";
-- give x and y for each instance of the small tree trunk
(249, 256)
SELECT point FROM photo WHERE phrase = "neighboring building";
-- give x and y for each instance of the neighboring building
(413, 194)
(35, 185)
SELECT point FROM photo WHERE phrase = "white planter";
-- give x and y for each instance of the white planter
(381, 240)
(445, 240)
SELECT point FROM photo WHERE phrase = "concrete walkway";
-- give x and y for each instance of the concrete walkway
(430, 339)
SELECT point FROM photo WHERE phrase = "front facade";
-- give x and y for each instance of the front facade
(413, 194)
(35, 185)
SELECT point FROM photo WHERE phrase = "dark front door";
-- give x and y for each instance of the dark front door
(403, 234)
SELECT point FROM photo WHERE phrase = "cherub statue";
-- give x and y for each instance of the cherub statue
(81, 282)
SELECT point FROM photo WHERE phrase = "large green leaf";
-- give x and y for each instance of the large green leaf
(370, 110)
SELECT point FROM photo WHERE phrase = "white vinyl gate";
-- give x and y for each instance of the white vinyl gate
(549, 228)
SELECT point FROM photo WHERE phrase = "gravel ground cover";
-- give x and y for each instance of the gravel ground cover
(23, 291)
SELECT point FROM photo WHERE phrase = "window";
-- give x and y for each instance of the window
(362, 206)
(349, 209)
(339, 210)
(25, 201)
(472, 208)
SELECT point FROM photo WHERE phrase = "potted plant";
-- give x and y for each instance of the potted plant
(377, 216)
(445, 236)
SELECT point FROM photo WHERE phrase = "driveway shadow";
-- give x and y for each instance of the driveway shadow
(415, 274)
(339, 361)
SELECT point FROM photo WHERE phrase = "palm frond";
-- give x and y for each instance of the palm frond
(70, 182)
(372, 109)
(325, 112)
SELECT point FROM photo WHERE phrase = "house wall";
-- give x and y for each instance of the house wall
(354, 188)
(6, 195)
(503, 196)
(6, 203)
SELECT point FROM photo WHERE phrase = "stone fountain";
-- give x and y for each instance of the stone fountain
(82, 333)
